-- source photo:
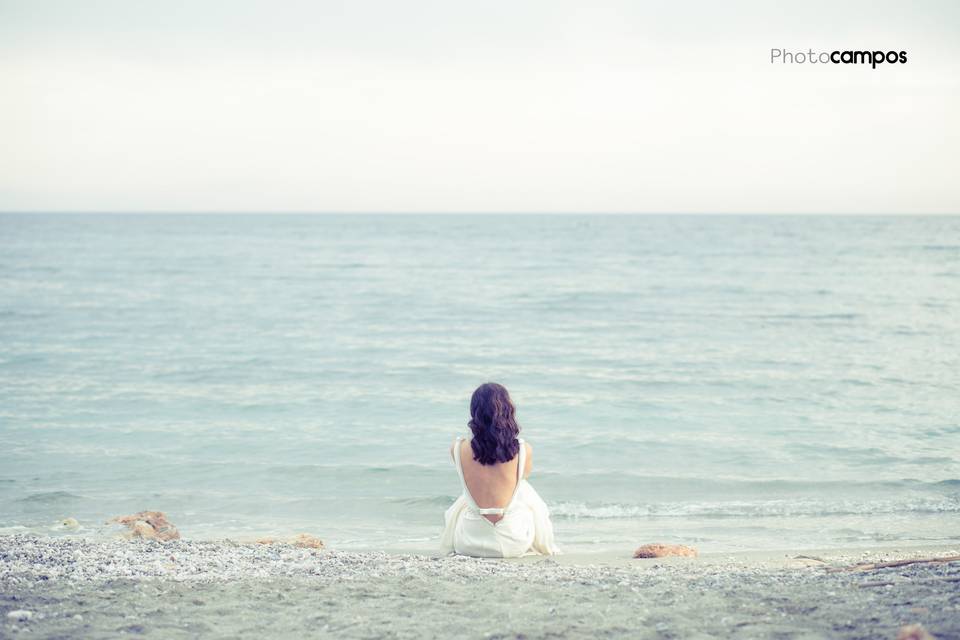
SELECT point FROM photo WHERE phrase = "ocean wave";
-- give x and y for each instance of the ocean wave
(572, 510)
(431, 501)
(767, 508)
(46, 497)
(733, 483)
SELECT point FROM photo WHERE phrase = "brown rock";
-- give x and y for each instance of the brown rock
(657, 550)
(914, 632)
(306, 541)
(148, 525)
(143, 530)
(301, 540)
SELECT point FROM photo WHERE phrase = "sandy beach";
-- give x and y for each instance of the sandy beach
(72, 587)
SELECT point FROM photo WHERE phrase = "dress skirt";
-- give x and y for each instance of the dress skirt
(524, 529)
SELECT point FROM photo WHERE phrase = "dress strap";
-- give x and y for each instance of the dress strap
(456, 460)
(521, 462)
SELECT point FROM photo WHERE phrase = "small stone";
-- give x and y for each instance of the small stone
(914, 632)
(306, 541)
(149, 525)
(658, 550)
(69, 523)
(301, 540)
(20, 615)
(143, 530)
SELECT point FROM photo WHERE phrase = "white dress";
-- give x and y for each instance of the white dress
(525, 527)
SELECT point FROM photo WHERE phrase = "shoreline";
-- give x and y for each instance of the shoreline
(183, 588)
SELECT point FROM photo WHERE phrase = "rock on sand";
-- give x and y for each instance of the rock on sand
(148, 525)
(657, 550)
(301, 540)
(20, 615)
(914, 632)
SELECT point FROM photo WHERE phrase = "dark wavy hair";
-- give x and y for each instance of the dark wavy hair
(493, 424)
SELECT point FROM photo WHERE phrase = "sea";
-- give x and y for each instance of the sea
(729, 382)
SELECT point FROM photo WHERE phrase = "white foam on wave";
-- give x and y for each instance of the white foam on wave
(771, 508)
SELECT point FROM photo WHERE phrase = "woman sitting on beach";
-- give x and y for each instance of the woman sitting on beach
(499, 515)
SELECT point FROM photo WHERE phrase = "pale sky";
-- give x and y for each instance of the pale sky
(390, 106)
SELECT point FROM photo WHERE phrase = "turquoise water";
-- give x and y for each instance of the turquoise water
(731, 382)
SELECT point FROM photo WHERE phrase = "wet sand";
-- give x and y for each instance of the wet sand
(71, 587)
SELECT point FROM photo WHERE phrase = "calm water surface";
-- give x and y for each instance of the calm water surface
(731, 382)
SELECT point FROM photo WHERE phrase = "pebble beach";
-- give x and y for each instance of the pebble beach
(76, 587)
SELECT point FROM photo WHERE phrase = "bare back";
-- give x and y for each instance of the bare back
(491, 485)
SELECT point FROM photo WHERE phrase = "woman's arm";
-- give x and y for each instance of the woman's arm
(528, 467)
